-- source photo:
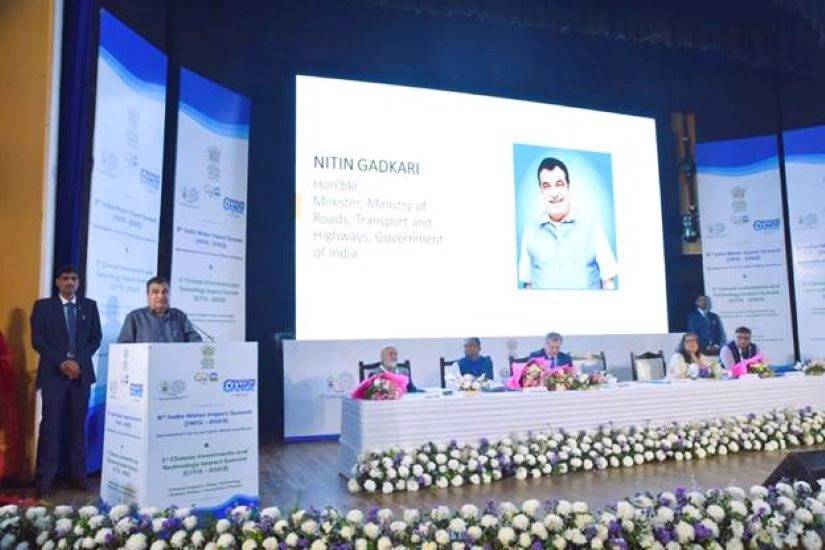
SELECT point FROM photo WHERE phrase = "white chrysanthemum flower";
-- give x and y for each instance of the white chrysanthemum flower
(520, 522)
(222, 526)
(506, 535)
(159, 545)
(355, 516)
(685, 532)
(625, 510)
(442, 537)
(157, 524)
(63, 511)
(118, 512)
(372, 531)
(35, 512)
(488, 521)
(811, 540)
(63, 526)
(136, 542)
(716, 512)
(270, 543)
(553, 522)
(664, 514)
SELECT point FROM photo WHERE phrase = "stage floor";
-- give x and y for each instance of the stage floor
(305, 474)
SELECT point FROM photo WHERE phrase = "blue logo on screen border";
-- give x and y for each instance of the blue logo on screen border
(239, 385)
(149, 179)
(136, 390)
(234, 206)
(766, 225)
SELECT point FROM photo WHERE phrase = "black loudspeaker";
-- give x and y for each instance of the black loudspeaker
(808, 466)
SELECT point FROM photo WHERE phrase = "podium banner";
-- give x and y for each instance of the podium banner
(182, 426)
(209, 238)
(743, 240)
(805, 172)
(124, 202)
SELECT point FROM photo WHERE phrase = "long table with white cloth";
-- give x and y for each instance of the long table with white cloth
(468, 417)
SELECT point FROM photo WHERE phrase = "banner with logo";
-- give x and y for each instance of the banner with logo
(209, 237)
(805, 172)
(743, 241)
(124, 203)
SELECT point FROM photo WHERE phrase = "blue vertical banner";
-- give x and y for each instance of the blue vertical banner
(805, 173)
(125, 195)
(743, 240)
(209, 227)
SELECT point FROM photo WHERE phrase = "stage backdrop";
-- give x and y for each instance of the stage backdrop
(209, 237)
(124, 203)
(805, 172)
(743, 240)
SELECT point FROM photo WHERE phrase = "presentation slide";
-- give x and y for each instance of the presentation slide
(805, 172)
(209, 236)
(743, 241)
(424, 213)
(124, 204)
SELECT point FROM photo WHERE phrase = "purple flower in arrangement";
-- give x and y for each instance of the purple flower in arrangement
(751, 416)
(537, 545)
(554, 459)
(589, 532)
(303, 542)
(614, 528)
(372, 515)
(702, 533)
(681, 494)
(282, 546)
(491, 507)
(619, 542)
(663, 535)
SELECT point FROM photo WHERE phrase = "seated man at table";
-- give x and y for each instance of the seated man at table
(739, 349)
(473, 363)
(552, 351)
(389, 363)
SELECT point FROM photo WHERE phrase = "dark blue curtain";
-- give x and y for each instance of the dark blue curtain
(74, 131)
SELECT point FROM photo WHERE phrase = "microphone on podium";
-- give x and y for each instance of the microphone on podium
(199, 329)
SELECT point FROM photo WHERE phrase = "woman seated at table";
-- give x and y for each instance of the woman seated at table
(687, 354)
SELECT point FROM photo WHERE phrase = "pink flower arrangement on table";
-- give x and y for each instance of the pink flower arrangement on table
(754, 365)
(383, 386)
(536, 372)
(529, 375)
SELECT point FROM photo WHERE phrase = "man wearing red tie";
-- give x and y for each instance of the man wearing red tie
(66, 333)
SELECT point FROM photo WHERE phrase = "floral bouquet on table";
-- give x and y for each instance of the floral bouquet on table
(468, 382)
(531, 374)
(383, 386)
(754, 365)
(560, 379)
(814, 367)
(590, 381)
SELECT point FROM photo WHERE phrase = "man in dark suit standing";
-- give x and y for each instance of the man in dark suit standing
(552, 351)
(66, 333)
(707, 325)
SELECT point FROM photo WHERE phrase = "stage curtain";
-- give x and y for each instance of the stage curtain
(74, 132)
(759, 33)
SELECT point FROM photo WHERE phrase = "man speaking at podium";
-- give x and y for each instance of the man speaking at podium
(157, 322)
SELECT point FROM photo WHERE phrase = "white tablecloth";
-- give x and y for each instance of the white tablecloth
(419, 418)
